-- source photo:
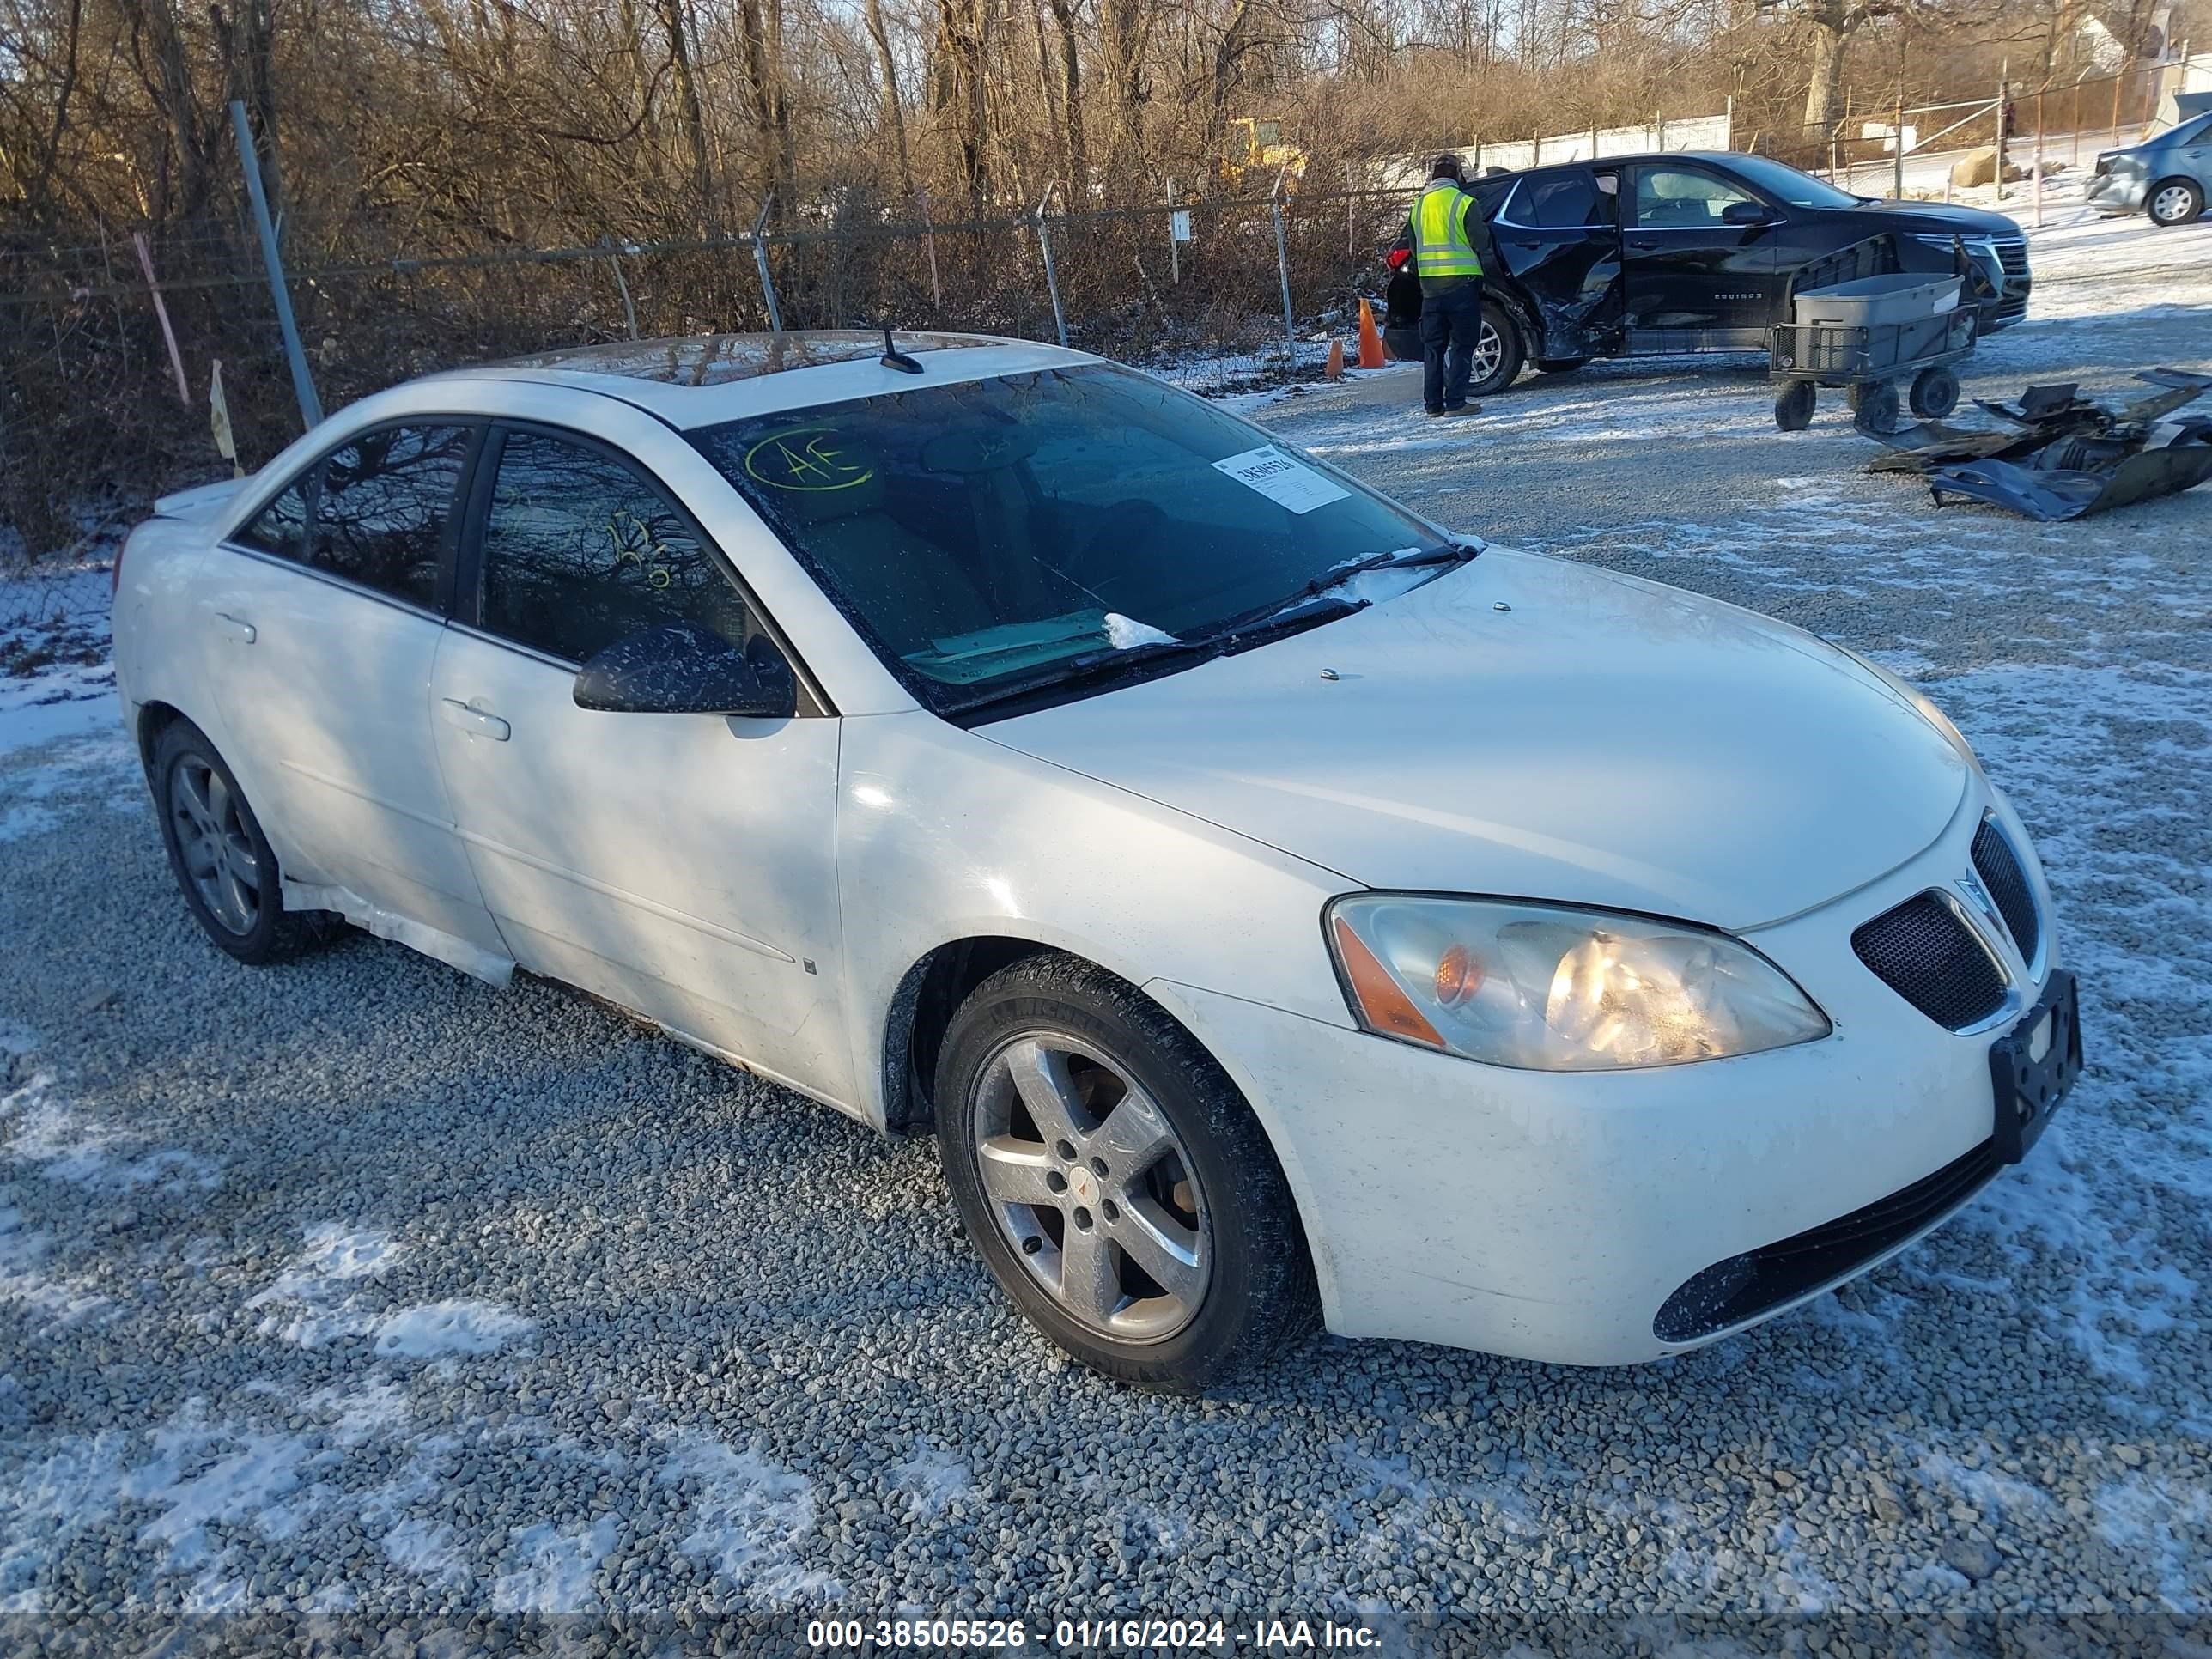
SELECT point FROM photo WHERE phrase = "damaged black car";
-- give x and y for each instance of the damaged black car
(1653, 255)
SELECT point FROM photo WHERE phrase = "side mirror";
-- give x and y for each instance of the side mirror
(1746, 213)
(680, 668)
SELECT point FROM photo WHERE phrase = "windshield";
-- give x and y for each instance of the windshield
(1786, 184)
(977, 534)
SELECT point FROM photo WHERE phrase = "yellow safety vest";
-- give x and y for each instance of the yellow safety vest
(1440, 245)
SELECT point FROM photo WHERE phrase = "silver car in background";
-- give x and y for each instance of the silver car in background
(2168, 177)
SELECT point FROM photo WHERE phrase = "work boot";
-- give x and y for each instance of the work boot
(1433, 414)
(1463, 409)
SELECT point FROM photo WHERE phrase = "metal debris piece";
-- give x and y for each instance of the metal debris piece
(2063, 456)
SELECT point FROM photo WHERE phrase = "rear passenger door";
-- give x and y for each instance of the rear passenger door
(1697, 279)
(681, 864)
(321, 616)
(1559, 233)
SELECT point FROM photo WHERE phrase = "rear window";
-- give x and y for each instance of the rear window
(984, 531)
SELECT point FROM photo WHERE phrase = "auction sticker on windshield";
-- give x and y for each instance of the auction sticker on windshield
(1289, 483)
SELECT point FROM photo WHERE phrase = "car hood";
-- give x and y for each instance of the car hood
(1939, 218)
(1531, 728)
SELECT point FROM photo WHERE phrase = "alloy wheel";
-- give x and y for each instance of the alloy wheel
(2170, 205)
(1091, 1185)
(1489, 349)
(215, 844)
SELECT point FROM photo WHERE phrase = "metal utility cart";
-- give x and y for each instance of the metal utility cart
(1859, 322)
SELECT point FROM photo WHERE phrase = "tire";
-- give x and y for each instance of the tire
(1083, 1048)
(1499, 346)
(222, 861)
(2174, 202)
(1559, 365)
(1793, 410)
(1878, 407)
(1934, 392)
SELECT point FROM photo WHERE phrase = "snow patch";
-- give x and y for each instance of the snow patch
(1125, 634)
(748, 1517)
(311, 1285)
(431, 1330)
(46, 1129)
(554, 1571)
(931, 1479)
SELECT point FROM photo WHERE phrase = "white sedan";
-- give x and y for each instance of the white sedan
(1283, 909)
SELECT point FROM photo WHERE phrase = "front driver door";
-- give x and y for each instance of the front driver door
(681, 864)
(1696, 280)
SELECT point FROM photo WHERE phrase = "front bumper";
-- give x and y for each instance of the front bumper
(1552, 1216)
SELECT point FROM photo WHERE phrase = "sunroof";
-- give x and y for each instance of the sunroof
(716, 359)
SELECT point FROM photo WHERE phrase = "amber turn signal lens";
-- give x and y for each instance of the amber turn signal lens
(1387, 1008)
(1459, 976)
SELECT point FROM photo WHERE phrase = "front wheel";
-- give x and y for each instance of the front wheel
(1793, 409)
(1934, 392)
(1498, 353)
(1114, 1181)
(2175, 202)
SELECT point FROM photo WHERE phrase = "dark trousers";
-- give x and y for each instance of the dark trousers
(1451, 323)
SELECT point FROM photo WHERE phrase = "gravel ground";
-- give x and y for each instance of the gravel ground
(351, 1296)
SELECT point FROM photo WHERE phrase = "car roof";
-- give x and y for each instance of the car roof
(1716, 157)
(699, 379)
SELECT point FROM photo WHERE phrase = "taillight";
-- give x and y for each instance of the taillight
(115, 571)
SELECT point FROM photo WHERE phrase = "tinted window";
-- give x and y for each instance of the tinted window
(1678, 197)
(375, 511)
(580, 550)
(282, 525)
(989, 530)
(1786, 184)
(1561, 201)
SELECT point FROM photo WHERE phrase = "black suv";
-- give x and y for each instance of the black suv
(1647, 256)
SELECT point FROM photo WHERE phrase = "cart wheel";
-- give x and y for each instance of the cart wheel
(1793, 410)
(1855, 394)
(1878, 407)
(1934, 392)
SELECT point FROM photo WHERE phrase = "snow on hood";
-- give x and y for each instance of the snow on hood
(1531, 728)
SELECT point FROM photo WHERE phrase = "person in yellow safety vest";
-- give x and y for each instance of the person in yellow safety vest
(1447, 239)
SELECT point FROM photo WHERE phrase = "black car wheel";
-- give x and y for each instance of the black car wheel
(1116, 1183)
(2175, 202)
(222, 861)
(1934, 392)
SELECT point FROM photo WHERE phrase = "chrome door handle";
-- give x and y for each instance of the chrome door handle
(237, 626)
(475, 721)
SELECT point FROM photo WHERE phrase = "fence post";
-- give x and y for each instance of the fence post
(2004, 76)
(929, 247)
(622, 283)
(1351, 235)
(1051, 275)
(760, 260)
(2036, 164)
(1283, 270)
(1175, 249)
(1897, 145)
(161, 311)
(303, 383)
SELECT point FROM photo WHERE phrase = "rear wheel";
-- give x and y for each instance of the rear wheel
(1498, 353)
(1877, 407)
(1793, 410)
(1114, 1181)
(2175, 202)
(222, 861)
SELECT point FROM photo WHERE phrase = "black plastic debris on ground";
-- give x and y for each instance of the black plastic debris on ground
(2059, 455)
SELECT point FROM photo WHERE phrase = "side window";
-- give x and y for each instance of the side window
(380, 513)
(282, 527)
(580, 550)
(1678, 197)
(1562, 201)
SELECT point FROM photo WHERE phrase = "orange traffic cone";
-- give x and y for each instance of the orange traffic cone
(1335, 369)
(1371, 343)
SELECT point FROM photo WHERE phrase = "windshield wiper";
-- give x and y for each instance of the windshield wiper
(1237, 633)
(1445, 553)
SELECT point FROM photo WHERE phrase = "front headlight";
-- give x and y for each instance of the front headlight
(1546, 988)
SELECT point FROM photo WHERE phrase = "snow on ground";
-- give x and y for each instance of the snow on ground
(352, 1288)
